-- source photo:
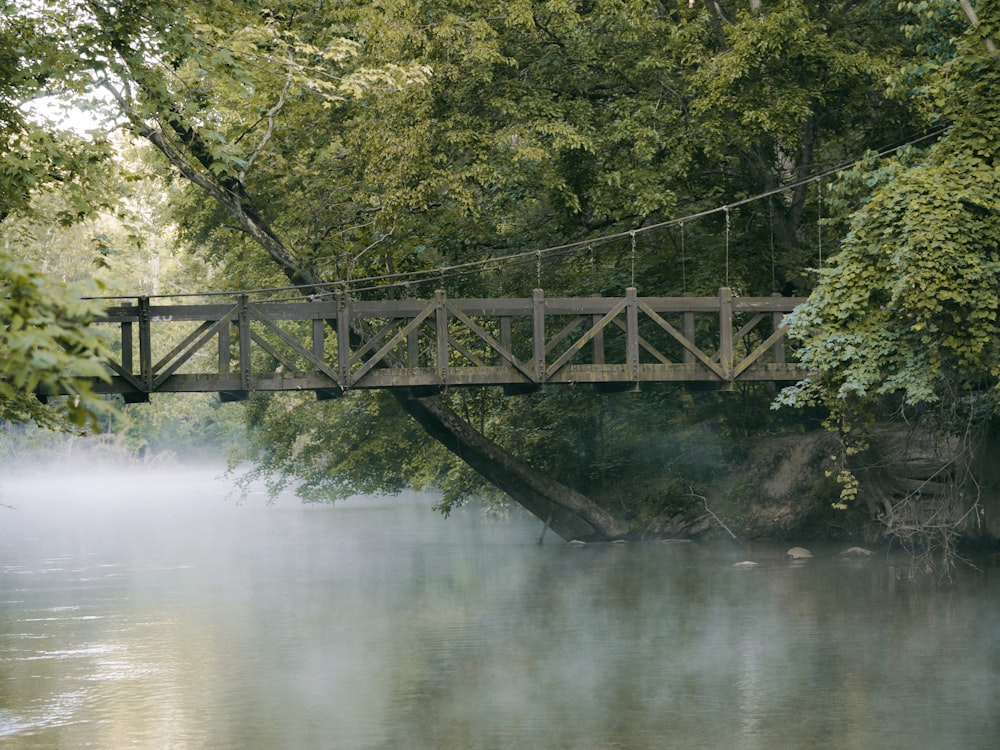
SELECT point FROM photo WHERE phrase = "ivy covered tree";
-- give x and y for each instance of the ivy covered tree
(906, 314)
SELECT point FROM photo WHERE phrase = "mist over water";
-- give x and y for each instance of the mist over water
(151, 610)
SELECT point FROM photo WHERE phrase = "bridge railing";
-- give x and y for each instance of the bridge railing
(426, 345)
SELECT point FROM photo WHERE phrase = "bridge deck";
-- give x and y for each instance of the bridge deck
(331, 347)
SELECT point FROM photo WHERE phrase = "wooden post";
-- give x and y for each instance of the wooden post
(127, 343)
(244, 339)
(632, 333)
(319, 338)
(344, 339)
(538, 333)
(726, 331)
(413, 349)
(687, 328)
(598, 342)
(777, 319)
(145, 346)
(506, 336)
(224, 349)
(441, 330)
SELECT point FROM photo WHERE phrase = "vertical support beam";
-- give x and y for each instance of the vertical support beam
(597, 341)
(127, 343)
(145, 346)
(726, 331)
(344, 339)
(441, 334)
(506, 337)
(632, 329)
(538, 333)
(225, 360)
(319, 338)
(687, 328)
(777, 318)
(412, 349)
(224, 349)
(244, 340)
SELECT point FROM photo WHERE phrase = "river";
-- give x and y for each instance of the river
(159, 613)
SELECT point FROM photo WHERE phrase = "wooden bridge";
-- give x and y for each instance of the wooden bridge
(330, 347)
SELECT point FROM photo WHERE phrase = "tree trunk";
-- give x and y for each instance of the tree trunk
(573, 515)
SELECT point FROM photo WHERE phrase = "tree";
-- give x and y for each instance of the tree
(44, 344)
(348, 141)
(907, 310)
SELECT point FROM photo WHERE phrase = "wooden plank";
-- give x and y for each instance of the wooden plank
(726, 332)
(632, 334)
(494, 308)
(412, 349)
(270, 349)
(344, 340)
(767, 304)
(563, 334)
(319, 339)
(180, 348)
(757, 353)
(484, 335)
(462, 349)
(687, 330)
(587, 337)
(697, 353)
(644, 344)
(538, 334)
(145, 346)
(243, 318)
(375, 340)
(126, 340)
(441, 334)
(206, 331)
(296, 346)
(401, 335)
(133, 383)
(225, 352)
(598, 342)
(682, 304)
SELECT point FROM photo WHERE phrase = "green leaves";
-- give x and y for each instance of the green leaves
(46, 347)
(910, 304)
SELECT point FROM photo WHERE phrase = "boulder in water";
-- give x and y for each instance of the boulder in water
(746, 564)
(798, 553)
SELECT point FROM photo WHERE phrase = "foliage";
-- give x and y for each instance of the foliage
(46, 347)
(375, 449)
(373, 138)
(910, 302)
(525, 123)
(909, 305)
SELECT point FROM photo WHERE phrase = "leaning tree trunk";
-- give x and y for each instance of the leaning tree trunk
(567, 512)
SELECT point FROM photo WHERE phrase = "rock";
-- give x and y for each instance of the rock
(799, 553)
(855, 552)
(746, 564)
(576, 542)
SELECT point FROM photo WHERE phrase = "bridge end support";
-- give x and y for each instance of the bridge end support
(228, 397)
(136, 398)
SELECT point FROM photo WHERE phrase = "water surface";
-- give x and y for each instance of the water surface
(161, 614)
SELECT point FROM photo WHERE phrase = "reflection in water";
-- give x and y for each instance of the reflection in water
(168, 617)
